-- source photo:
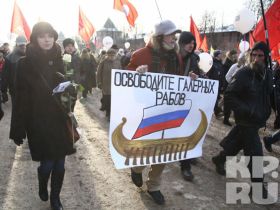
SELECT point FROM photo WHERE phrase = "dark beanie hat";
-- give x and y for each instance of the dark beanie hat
(68, 41)
(42, 28)
(186, 37)
(261, 46)
(217, 53)
(115, 47)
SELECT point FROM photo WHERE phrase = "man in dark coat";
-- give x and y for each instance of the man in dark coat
(8, 77)
(248, 95)
(1, 111)
(38, 115)
(217, 73)
(76, 63)
(231, 58)
(2, 62)
(159, 56)
(5, 49)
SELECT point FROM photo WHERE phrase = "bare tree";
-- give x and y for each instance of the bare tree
(208, 23)
(255, 6)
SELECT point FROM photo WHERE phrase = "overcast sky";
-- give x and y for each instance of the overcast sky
(63, 14)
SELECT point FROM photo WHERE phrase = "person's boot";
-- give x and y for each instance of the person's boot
(269, 140)
(1, 113)
(187, 174)
(84, 94)
(226, 122)
(267, 143)
(219, 162)
(43, 179)
(193, 161)
(56, 185)
(157, 197)
(136, 178)
(186, 169)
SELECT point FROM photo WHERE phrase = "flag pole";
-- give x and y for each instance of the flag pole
(266, 34)
(269, 56)
(158, 9)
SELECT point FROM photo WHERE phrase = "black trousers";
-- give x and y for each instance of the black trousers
(246, 138)
(186, 164)
(107, 104)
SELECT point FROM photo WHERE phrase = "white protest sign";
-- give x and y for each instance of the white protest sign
(158, 118)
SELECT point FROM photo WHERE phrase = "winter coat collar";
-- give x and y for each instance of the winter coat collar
(41, 58)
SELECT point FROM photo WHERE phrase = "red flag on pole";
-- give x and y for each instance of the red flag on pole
(19, 25)
(195, 32)
(128, 9)
(204, 45)
(273, 25)
(86, 29)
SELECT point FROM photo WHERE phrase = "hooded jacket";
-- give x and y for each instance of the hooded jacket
(36, 114)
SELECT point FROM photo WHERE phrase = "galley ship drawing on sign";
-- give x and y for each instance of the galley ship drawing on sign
(157, 119)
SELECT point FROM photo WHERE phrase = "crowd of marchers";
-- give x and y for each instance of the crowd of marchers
(30, 72)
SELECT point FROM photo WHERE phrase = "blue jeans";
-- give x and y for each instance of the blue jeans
(46, 166)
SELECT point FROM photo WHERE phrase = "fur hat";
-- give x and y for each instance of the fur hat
(68, 41)
(165, 27)
(42, 28)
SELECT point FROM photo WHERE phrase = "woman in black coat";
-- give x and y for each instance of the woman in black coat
(88, 72)
(38, 115)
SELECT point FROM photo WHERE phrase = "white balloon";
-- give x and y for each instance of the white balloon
(205, 62)
(107, 42)
(126, 45)
(244, 21)
(244, 46)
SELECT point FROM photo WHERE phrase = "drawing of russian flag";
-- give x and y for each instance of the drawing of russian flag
(161, 117)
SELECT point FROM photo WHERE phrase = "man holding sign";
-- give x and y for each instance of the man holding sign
(158, 56)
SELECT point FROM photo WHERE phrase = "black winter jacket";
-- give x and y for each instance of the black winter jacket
(249, 97)
(217, 72)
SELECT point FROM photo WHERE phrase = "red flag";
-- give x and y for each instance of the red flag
(195, 32)
(204, 45)
(272, 17)
(128, 9)
(19, 25)
(251, 40)
(86, 29)
(276, 52)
